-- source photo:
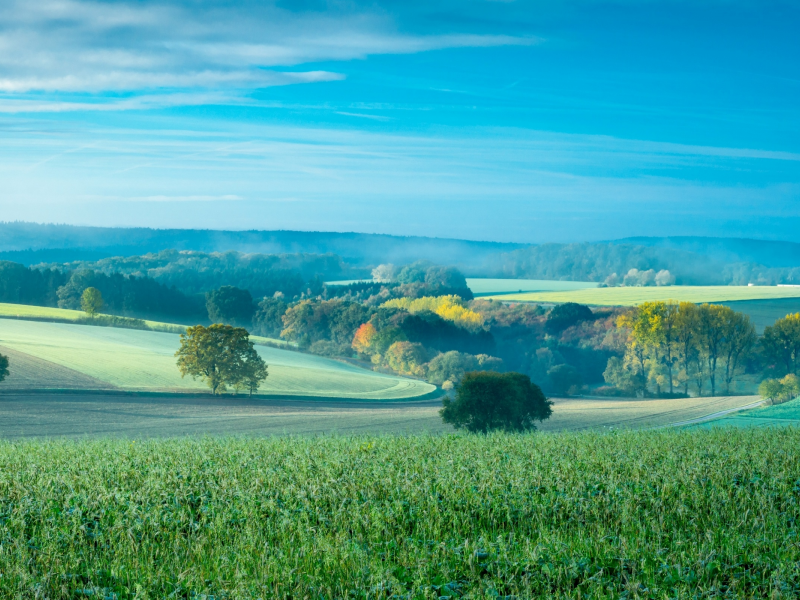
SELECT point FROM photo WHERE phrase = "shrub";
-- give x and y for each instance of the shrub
(487, 401)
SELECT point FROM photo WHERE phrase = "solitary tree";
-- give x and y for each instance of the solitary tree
(3, 367)
(220, 355)
(91, 301)
(487, 401)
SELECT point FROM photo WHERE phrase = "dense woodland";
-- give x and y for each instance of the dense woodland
(421, 320)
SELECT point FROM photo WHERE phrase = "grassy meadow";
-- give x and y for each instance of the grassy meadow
(665, 514)
(780, 415)
(144, 360)
(489, 287)
(631, 296)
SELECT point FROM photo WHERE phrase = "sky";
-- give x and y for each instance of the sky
(508, 120)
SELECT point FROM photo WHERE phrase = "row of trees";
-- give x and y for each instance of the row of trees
(672, 345)
(123, 295)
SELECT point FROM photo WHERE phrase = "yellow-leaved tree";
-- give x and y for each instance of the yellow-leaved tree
(450, 308)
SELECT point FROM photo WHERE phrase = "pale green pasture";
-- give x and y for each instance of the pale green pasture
(487, 287)
(144, 360)
(41, 312)
(786, 414)
(631, 296)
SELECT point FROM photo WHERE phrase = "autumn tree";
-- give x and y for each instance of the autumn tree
(669, 342)
(221, 355)
(91, 301)
(781, 343)
(685, 342)
(740, 338)
(711, 338)
(362, 339)
(406, 358)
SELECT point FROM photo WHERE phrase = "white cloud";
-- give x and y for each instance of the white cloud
(87, 46)
(226, 197)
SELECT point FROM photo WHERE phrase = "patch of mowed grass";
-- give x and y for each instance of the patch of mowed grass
(637, 515)
(632, 296)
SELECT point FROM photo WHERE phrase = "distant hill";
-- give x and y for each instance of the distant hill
(31, 243)
(693, 260)
(727, 250)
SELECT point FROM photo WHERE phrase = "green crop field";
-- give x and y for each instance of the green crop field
(144, 360)
(631, 296)
(488, 287)
(766, 312)
(667, 514)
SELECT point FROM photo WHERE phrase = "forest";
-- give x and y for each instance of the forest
(421, 320)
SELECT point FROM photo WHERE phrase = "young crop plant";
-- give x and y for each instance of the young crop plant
(657, 514)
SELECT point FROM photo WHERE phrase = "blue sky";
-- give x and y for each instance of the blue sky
(498, 120)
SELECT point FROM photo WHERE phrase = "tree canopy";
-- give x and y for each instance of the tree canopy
(92, 301)
(221, 355)
(487, 401)
(3, 367)
(566, 315)
(230, 305)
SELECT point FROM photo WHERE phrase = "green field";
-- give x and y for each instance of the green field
(779, 415)
(488, 287)
(631, 296)
(668, 514)
(144, 360)
(766, 312)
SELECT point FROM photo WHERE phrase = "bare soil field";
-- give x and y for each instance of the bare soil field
(574, 414)
(115, 414)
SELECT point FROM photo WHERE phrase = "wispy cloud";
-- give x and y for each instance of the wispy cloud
(88, 46)
(224, 198)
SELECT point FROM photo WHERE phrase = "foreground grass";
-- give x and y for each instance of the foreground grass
(647, 515)
(631, 296)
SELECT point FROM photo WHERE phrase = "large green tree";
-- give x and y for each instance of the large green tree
(221, 355)
(487, 401)
(92, 301)
(781, 343)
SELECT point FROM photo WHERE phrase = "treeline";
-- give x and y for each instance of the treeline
(436, 337)
(122, 294)
(603, 260)
(671, 348)
(292, 275)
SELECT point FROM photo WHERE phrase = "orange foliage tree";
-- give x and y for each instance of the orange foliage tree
(363, 338)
